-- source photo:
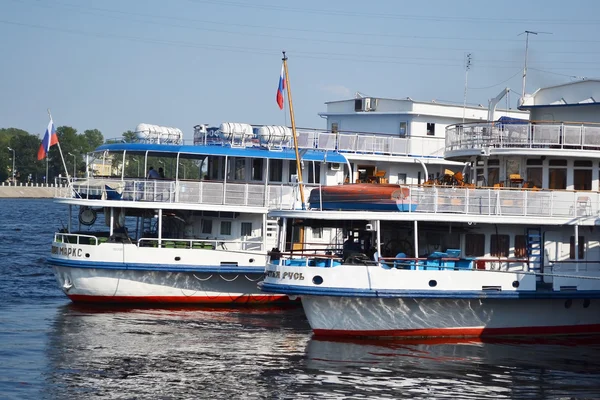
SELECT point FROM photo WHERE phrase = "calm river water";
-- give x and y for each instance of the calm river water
(51, 349)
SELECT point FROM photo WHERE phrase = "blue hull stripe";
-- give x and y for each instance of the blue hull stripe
(218, 269)
(446, 294)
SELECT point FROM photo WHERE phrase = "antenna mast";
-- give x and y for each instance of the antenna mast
(467, 68)
(527, 33)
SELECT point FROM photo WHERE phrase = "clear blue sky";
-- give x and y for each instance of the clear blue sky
(111, 64)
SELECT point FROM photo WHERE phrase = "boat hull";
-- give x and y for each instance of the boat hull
(146, 286)
(450, 317)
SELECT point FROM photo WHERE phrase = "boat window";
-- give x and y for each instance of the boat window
(334, 127)
(207, 226)
(246, 228)
(275, 170)
(534, 176)
(257, 169)
(493, 175)
(292, 171)
(474, 244)
(237, 169)
(535, 161)
(164, 163)
(499, 245)
(317, 233)
(581, 246)
(401, 179)
(560, 163)
(520, 246)
(314, 172)
(582, 163)
(107, 164)
(430, 129)
(226, 228)
(215, 168)
(582, 179)
(402, 131)
(134, 165)
(495, 161)
(558, 178)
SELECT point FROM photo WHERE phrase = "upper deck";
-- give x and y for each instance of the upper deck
(522, 137)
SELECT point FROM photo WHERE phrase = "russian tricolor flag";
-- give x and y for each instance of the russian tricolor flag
(281, 88)
(50, 139)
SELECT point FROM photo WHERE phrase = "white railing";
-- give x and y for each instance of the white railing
(527, 135)
(347, 142)
(205, 244)
(497, 202)
(75, 238)
(191, 192)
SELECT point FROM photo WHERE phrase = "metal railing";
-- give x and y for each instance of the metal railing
(525, 135)
(75, 238)
(498, 201)
(206, 244)
(282, 196)
(346, 142)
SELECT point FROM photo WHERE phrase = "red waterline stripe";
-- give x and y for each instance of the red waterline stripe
(247, 299)
(466, 332)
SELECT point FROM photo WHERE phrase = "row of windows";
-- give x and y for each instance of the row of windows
(403, 128)
(500, 246)
(225, 228)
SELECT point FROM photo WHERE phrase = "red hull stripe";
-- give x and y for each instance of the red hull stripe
(466, 332)
(258, 299)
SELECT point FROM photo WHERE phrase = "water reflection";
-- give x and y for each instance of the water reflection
(172, 353)
(436, 368)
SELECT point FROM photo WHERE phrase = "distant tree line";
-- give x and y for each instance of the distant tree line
(26, 147)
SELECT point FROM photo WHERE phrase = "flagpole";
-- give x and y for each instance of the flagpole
(60, 151)
(291, 107)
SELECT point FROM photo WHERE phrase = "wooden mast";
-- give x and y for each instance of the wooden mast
(298, 163)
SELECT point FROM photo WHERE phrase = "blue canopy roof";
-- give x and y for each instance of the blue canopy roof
(251, 152)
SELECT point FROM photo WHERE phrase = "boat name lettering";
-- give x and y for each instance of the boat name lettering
(67, 251)
(296, 276)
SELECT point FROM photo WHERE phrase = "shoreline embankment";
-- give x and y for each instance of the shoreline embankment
(31, 191)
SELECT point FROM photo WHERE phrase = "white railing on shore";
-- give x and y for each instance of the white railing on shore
(346, 142)
(527, 135)
(191, 192)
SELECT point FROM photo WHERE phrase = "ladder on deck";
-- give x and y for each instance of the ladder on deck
(534, 250)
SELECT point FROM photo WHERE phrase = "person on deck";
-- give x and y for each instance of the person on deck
(161, 173)
(153, 174)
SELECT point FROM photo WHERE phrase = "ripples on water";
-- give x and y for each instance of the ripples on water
(52, 349)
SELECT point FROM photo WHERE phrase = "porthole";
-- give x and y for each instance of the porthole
(515, 284)
(586, 303)
(317, 280)
(568, 303)
(177, 258)
(87, 255)
(432, 283)
(251, 260)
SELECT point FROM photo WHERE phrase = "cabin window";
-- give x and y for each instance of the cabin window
(314, 172)
(216, 168)
(558, 178)
(334, 127)
(474, 245)
(257, 169)
(520, 246)
(493, 175)
(402, 130)
(246, 228)
(581, 246)
(207, 226)
(401, 179)
(499, 245)
(317, 233)
(582, 179)
(534, 176)
(226, 228)
(239, 169)
(293, 171)
(582, 163)
(430, 129)
(275, 170)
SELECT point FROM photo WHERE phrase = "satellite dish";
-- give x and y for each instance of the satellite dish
(87, 216)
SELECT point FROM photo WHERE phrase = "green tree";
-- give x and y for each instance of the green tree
(129, 137)
(93, 138)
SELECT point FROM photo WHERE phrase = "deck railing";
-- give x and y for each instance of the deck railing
(526, 135)
(346, 142)
(282, 196)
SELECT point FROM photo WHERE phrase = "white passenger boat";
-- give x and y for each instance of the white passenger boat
(193, 231)
(512, 250)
